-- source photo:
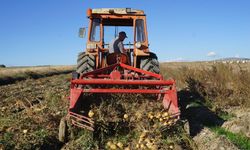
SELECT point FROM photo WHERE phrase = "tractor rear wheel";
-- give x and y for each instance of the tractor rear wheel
(85, 63)
(150, 63)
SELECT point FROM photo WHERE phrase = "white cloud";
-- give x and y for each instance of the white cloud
(211, 54)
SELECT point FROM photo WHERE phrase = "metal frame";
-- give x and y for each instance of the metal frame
(100, 50)
(122, 75)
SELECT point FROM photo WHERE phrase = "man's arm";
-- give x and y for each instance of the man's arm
(121, 47)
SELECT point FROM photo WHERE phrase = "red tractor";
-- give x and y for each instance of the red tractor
(96, 67)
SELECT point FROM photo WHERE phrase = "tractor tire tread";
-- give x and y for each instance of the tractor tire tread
(150, 63)
(85, 63)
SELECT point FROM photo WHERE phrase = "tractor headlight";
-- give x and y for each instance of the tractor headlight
(91, 46)
(138, 45)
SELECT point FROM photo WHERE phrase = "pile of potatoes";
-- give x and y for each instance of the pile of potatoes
(113, 145)
(144, 122)
(164, 118)
(146, 142)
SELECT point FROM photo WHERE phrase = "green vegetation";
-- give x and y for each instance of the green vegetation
(7, 140)
(225, 115)
(238, 139)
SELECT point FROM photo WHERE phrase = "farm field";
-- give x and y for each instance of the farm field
(214, 100)
(12, 74)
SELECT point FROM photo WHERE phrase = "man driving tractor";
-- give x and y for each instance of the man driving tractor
(116, 46)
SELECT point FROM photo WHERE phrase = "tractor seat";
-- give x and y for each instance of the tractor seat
(113, 58)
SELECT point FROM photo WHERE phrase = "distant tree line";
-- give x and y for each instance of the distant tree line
(2, 66)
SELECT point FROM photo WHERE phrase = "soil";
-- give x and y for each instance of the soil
(31, 111)
(240, 122)
(208, 140)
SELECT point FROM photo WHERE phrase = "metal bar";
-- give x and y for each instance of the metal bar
(142, 91)
(99, 70)
(122, 82)
(82, 125)
(141, 71)
(172, 116)
(85, 121)
(99, 76)
(108, 76)
(81, 116)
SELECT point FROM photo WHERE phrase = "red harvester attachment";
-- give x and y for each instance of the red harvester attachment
(123, 75)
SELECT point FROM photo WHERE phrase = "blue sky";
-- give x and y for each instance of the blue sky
(45, 32)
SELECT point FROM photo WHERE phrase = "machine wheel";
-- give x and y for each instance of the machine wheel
(63, 130)
(85, 63)
(150, 63)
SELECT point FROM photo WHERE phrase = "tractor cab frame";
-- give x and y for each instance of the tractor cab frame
(99, 18)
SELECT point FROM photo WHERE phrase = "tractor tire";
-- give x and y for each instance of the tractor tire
(62, 135)
(85, 63)
(150, 63)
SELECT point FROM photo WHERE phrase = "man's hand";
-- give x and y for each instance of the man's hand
(124, 50)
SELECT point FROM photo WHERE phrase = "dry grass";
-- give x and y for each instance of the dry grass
(221, 85)
(10, 75)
